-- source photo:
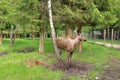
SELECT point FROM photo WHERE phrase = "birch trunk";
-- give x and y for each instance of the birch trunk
(53, 30)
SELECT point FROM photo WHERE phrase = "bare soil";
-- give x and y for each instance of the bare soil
(77, 68)
(3, 54)
(26, 50)
(111, 70)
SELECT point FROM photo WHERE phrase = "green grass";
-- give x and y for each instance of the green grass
(13, 66)
(22, 43)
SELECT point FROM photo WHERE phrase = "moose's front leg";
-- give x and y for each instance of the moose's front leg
(71, 56)
(68, 61)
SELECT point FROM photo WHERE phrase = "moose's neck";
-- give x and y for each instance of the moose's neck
(76, 40)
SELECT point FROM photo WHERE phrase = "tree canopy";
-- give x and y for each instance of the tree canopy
(29, 13)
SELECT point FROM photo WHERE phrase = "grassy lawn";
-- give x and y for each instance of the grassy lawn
(13, 66)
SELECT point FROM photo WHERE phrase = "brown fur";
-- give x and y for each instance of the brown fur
(34, 63)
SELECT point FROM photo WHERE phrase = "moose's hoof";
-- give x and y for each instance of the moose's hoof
(67, 67)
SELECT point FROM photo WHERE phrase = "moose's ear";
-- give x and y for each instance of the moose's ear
(80, 35)
(75, 31)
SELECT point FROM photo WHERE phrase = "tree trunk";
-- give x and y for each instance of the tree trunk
(57, 35)
(41, 42)
(118, 32)
(80, 43)
(94, 35)
(108, 32)
(53, 31)
(25, 35)
(0, 37)
(112, 38)
(33, 36)
(15, 35)
(18, 35)
(11, 36)
(104, 36)
(45, 33)
(114, 35)
(7, 35)
(16, 30)
(68, 31)
(1, 34)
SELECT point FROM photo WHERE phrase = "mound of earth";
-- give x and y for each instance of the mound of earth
(76, 68)
(26, 50)
(111, 70)
(3, 53)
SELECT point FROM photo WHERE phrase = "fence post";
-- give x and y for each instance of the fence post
(104, 36)
(112, 39)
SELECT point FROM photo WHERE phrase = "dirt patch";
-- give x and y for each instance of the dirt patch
(3, 54)
(77, 68)
(26, 50)
(111, 70)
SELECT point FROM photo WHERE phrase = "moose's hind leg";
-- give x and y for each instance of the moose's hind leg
(60, 61)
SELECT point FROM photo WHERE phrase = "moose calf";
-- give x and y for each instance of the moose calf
(68, 44)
